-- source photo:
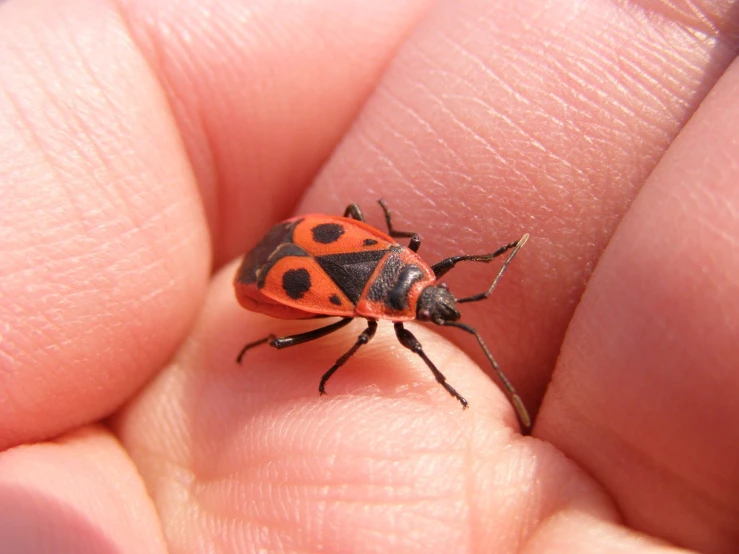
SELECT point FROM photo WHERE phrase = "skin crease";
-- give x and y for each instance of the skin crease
(146, 144)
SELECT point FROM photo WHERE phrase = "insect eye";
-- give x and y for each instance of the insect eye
(443, 286)
(424, 315)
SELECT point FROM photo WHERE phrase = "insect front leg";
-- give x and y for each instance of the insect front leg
(408, 340)
(415, 243)
(292, 340)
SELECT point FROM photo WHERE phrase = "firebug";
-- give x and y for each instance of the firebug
(316, 266)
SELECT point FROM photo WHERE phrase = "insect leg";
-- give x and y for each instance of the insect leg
(442, 267)
(483, 295)
(415, 243)
(355, 212)
(284, 342)
(362, 339)
(407, 339)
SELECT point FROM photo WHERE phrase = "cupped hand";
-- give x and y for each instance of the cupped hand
(146, 145)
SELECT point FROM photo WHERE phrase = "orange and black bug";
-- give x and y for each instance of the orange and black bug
(330, 266)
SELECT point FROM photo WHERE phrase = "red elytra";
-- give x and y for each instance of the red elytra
(330, 266)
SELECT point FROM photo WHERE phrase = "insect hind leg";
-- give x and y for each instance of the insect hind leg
(293, 340)
(408, 340)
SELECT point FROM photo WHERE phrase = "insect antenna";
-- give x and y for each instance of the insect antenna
(484, 295)
(516, 400)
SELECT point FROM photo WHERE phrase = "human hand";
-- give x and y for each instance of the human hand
(147, 144)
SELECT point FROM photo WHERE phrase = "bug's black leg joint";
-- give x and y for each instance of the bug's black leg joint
(407, 339)
(281, 342)
(355, 212)
(362, 339)
(415, 242)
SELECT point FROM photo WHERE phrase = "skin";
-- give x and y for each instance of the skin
(148, 144)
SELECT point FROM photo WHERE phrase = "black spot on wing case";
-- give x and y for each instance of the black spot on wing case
(296, 282)
(282, 251)
(327, 233)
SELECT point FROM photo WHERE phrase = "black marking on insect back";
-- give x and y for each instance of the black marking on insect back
(296, 282)
(260, 254)
(394, 283)
(369, 242)
(326, 233)
(383, 284)
(352, 270)
(282, 251)
(398, 297)
(335, 300)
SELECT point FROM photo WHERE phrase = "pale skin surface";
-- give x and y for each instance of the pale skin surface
(144, 148)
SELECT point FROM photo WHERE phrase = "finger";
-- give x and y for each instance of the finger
(262, 94)
(249, 457)
(577, 532)
(644, 395)
(78, 494)
(496, 119)
(106, 247)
